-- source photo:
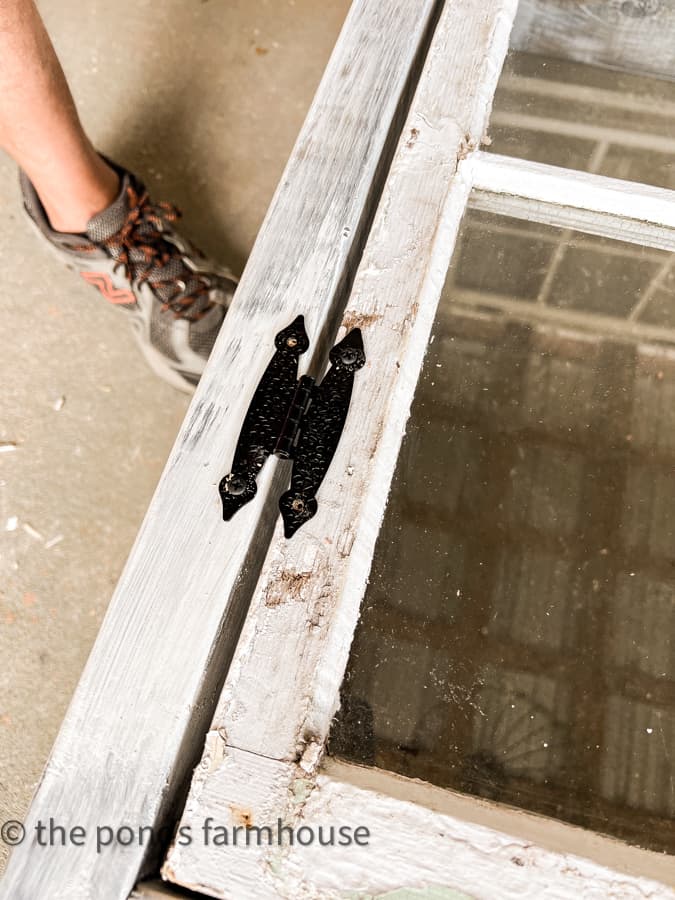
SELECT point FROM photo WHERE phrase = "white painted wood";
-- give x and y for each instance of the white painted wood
(145, 699)
(420, 838)
(232, 789)
(636, 35)
(535, 830)
(263, 754)
(623, 210)
(282, 689)
(434, 849)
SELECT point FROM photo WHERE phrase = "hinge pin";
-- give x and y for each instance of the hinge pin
(290, 430)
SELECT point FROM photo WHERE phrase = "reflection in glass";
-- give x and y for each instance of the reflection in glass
(584, 117)
(517, 635)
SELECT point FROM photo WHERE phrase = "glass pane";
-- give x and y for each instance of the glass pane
(583, 117)
(516, 638)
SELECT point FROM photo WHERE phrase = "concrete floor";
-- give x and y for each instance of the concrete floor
(205, 100)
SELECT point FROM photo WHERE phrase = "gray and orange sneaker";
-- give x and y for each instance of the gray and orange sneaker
(176, 298)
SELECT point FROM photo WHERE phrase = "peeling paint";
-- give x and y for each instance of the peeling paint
(466, 146)
(354, 319)
(241, 815)
(311, 756)
(288, 587)
(301, 789)
(345, 543)
(214, 752)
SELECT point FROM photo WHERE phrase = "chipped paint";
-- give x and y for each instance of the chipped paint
(214, 752)
(300, 790)
(311, 756)
(467, 146)
(355, 319)
(414, 134)
(241, 815)
(288, 587)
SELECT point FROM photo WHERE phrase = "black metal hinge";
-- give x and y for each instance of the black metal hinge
(294, 419)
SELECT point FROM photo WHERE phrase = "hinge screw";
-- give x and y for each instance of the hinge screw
(298, 505)
(291, 342)
(349, 356)
(236, 485)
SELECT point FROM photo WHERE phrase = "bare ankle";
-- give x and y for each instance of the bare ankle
(71, 197)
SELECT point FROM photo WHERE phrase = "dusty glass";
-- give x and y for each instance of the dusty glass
(584, 117)
(516, 640)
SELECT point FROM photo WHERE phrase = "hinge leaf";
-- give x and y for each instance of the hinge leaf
(320, 432)
(265, 418)
(293, 419)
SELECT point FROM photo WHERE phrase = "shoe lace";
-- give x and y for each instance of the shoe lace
(142, 249)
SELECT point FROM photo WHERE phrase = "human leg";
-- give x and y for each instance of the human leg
(40, 127)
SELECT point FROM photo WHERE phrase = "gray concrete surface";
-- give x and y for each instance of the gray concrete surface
(205, 100)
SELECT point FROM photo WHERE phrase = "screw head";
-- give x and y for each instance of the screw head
(291, 341)
(349, 356)
(235, 485)
(298, 505)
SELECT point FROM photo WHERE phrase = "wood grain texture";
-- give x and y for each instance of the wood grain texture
(142, 707)
(609, 207)
(265, 748)
(236, 789)
(635, 35)
(419, 838)
(433, 849)
(283, 686)
(282, 689)
(536, 831)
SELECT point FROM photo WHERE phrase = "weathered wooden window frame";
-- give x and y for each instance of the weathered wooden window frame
(161, 653)
(136, 724)
(264, 757)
